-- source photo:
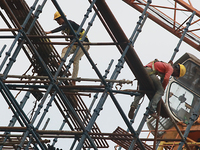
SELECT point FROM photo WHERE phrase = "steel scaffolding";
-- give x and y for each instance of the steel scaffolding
(51, 78)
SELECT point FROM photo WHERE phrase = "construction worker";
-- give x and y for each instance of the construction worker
(164, 70)
(66, 30)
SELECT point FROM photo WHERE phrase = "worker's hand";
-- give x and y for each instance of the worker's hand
(47, 32)
(181, 123)
(170, 62)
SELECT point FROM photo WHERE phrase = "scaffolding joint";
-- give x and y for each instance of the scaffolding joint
(176, 49)
(149, 1)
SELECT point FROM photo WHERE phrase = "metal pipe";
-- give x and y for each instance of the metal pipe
(49, 36)
(49, 104)
(75, 43)
(9, 29)
(75, 89)
(46, 123)
(7, 36)
(70, 79)
(146, 114)
(2, 50)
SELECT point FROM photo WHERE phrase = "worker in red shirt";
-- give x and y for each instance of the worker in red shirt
(66, 30)
(164, 70)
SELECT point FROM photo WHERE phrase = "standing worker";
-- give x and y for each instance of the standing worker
(164, 70)
(66, 29)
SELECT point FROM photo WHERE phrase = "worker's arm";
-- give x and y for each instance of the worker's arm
(62, 27)
(47, 32)
(168, 73)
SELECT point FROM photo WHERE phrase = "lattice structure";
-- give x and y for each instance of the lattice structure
(51, 83)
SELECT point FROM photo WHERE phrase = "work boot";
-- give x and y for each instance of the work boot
(131, 112)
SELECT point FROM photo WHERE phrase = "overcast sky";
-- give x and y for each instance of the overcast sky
(153, 42)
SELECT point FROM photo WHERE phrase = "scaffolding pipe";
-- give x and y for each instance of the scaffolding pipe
(64, 78)
(76, 43)
(52, 81)
(2, 50)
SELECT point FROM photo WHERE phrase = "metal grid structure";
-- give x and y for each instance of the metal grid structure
(50, 78)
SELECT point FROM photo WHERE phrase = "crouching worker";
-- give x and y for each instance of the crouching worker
(164, 70)
(66, 30)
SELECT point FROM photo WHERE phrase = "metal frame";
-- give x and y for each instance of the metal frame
(87, 133)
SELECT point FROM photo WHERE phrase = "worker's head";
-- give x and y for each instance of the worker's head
(179, 70)
(58, 18)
